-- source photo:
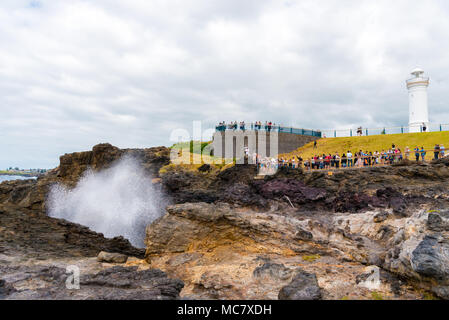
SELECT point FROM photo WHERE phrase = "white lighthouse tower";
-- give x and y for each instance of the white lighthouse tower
(418, 105)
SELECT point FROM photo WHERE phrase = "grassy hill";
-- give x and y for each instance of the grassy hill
(374, 143)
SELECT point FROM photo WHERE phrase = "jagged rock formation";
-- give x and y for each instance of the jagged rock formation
(226, 235)
(35, 249)
(115, 283)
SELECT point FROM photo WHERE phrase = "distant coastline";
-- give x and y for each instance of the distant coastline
(21, 174)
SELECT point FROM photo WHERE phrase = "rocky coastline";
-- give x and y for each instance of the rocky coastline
(372, 233)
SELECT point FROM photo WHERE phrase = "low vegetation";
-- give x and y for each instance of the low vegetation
(376, 295)
(311, 258)
(374, 143)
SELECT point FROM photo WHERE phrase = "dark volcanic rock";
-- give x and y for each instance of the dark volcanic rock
(295, 190)
(238, 173)
(147, 284)
(243, 194)
(381, 217)
(38, 235)
(394, 199)
(115, 283)
(431, 258)
(354, 202)
(303, 235)
(304, 286)
(438, 221)
(5, 289)
(205, 168)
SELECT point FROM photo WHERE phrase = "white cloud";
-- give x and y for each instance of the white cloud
(76, 73)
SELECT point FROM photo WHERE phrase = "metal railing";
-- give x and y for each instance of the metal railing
(417, 79)
(339, 133)
(270, 128)
(265, 166)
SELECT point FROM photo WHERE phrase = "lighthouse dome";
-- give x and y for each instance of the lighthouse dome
(417, 72)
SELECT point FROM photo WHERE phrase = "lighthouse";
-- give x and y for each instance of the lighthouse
(418, 105)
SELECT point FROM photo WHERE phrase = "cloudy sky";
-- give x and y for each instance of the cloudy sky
(74, 73)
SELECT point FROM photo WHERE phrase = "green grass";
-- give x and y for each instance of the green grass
(189, 145)
(429, 296)
(375, 143)
(311, 258)
(376, 295)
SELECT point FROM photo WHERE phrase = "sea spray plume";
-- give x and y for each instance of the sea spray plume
(118, 201)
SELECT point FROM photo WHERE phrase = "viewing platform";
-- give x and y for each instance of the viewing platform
(267, 128)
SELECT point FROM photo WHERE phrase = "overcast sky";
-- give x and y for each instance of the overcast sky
(75, 73)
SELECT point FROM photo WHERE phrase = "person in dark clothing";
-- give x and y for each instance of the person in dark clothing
(417, 154)
(423, 154)
(314, 144)
(436, 151)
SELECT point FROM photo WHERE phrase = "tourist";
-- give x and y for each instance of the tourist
(399, 155)
(314, 144)
(407, 153)
(442, 151)
(417, 154)
(337, 160)
(307, 165)
(349, 155)
(344, 160)
(436, 152)
(423, 154)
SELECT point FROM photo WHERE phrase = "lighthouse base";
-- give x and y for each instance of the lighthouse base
(418, 127)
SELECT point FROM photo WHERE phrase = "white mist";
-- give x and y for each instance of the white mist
(118, 201)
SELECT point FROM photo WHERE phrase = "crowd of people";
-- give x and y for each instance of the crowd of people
(347, 159)
(234, 125)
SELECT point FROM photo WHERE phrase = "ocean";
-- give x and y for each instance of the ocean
(8, 178)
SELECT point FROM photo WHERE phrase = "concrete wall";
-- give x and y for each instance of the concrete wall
(231, 144)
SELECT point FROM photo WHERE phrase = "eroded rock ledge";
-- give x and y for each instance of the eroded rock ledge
(213, 246)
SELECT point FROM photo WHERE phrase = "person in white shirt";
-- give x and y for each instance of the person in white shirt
(349, 156)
